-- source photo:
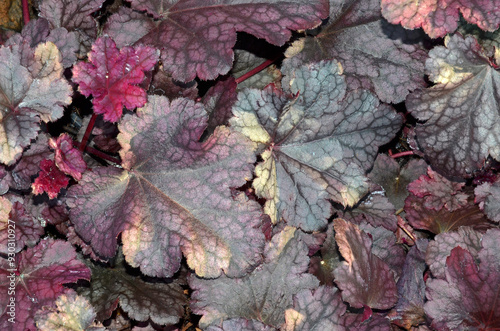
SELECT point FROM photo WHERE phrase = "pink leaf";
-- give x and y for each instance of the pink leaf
(111, 77)
(50, 180)
(68, 159)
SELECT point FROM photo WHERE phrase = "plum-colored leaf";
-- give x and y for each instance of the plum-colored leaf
(50, 179)
(163, 303)
(73, 16)
(205, 49)
(173, 195)
(394, 179)
(241, 324)
(409, 310)
(439, 249)
(219, 101)
(364, 278)
(374, 209)
(37, 279)
(467, 299)
(28, 95)
(488, 197)
(438, 18)
(127, 26)
(68, 159)
(72, 312)
(111, 77)
(323, 267)
(19, 229)
(164, 84)
(377, 322)
(317, 142)
(374, 54)
(265, 293)
(462, 122)
(315, 310)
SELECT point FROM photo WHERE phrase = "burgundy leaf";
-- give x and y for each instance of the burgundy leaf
(68, 159)
(50, 179)
(438, 18)
(488, 197)
(161, 302)
(37, 92)
(111, 77)
(205, 49)
(241, 324)
(364, 278)
(172, 195)
(37, 279)
(462, 122)
(374, 209)
(316, 143)
(377, 322)
(264, 294)
(319, 309)
(323, 267)
(164, 84)
(374, 55)
(219, 101)
(468, 297)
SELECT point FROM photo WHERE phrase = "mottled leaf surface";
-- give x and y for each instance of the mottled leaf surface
(374, 209)
(205, 49)
(72, 312)
(50, 180)
(374, 54)
(488, 197)
(68, 159)
(265, 293)
(461, 117)
(172, 195)
(38, 280)
(364, 278)
(241, 324)
(111, 77)
(468, 296)
(315, 310)
(219, 101)
(438, 18)
(316, 142)
(29, 94)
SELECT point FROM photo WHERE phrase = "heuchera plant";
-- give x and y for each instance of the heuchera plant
(250, 165)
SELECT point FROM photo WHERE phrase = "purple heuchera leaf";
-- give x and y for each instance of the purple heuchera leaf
(315, 310)
(37, 277)
(241, 324)
(488, 197)
(364, 278)
(68, 159)
(29, 94)
(173, 195)
(111, 77)
(264, 294)
(374, 55)
(462, 121)
(219, 101)
(468, 296)
(50, 180)
(316, 143)
(374, 209)
(212, 30)
(438, 18)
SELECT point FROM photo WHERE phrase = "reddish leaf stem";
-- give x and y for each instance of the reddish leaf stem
(255, 70)
(98, 153)
(406, 153)
(88, 131)
(26, 12)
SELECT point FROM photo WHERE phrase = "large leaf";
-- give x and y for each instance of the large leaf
(196, 36)
(467, 299)
(173, 195)
(461, 117)
(317, 142)
(364, 278)
(438, 18)
(375, 55)
(35, 280)
(263, 295)
(112, 75)
(29, 93)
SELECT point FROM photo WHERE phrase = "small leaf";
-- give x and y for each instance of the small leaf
(488, 197)
(50, 180)
(68, 159)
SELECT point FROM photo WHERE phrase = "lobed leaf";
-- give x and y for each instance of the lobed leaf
(488, 197)
(68, 159)
(50, 180)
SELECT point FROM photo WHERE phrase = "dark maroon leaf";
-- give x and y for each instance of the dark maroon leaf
(163, 84)
(439, 18)
(212, 30)
(488, 197)
(461, 121)
(374, 209)
(316, 143)
(374, 55)
(219, 101)
(264, 294)
(319, 309)
(364, 278)
(468, 296)
(173, 194)
(376, 322)
(37, 277)
(112, 75)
